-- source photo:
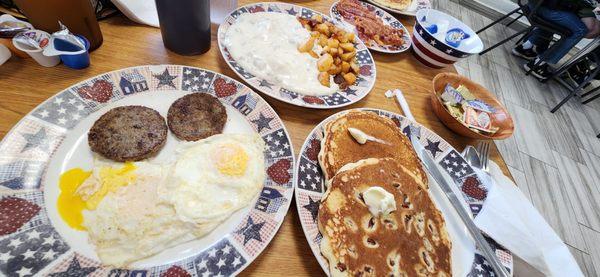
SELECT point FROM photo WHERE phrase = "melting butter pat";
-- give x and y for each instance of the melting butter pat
(362, 138)
(379, 201)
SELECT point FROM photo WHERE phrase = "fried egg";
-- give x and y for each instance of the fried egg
(135, 210)
(216, 176)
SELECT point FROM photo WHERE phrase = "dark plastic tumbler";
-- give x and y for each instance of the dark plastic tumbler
(185, 25)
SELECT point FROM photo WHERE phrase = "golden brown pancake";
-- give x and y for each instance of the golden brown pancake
(338, 147)
(394, 4)
(411, 241)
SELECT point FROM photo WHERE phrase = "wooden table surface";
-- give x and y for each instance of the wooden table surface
(24, 84)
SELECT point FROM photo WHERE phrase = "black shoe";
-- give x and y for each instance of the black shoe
(521, 52)
(541, 71)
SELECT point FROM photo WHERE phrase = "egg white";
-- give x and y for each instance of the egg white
(200, 192)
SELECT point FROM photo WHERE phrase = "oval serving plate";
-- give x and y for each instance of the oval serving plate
(34, 240)
(310, 188)
(410, 11)
(364, 82)
(386, 18)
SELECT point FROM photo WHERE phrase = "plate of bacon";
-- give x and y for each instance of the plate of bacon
(378, 29)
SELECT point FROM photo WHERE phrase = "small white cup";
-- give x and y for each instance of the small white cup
(37, 54)
(4, 54)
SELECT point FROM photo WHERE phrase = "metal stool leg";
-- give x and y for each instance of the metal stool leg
(591, 98)
(590, 92)
(498, 20)
(503, 41)
(575, 90)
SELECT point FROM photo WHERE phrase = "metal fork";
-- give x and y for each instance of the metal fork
(483, 148)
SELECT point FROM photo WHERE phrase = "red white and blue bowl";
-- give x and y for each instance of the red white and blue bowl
(434, 52)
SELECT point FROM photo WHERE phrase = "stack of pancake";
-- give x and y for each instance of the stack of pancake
(409, 241)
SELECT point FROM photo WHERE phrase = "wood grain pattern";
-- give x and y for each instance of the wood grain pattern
(24, 85)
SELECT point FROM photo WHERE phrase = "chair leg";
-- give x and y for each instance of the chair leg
(589, 93)
(503, 41)
(514, 20)
(498, 20)
(591, 98)
(575, 90)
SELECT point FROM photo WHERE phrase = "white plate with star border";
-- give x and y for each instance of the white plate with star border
(352, 94)
(466, 259)
(35, 240)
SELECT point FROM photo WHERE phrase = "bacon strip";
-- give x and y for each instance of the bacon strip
(369, 26)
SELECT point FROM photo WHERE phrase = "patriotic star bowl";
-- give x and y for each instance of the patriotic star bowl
(434, 52)
(35, 241)
(467, 261)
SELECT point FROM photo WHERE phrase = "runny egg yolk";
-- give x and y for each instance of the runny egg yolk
(231, 160)
(71, 202)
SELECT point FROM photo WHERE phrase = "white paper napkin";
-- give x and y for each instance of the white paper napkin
(511, 220)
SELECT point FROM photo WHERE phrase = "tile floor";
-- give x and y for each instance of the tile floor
(554, 158)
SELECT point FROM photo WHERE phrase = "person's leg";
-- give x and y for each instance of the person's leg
(568, 20)
(535, 43)
(593, 26)
(540, 66)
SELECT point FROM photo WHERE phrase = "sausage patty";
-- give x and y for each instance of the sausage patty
(196, 116)
(128, 133)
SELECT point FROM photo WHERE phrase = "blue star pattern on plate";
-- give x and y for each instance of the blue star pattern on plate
(28, 252)
(75, 270)
(64, 110)
(313, 208)
(364, 57)
(433, 147)
(455, 165)
(37, 140)
(309, 176)
(264, 83)
(262, 122)
(278, 144)
(349, 91)
(291, 11)
(127, 272)
(220, 260)
(240, 70)
(165, 79)
(196, 79)
(306, 13)
(237, 12)
(335, 99)
(288, 94)
(270, 200)
(251, 230)
(409, 129)
(396, 24)
(475, 208)
(20, 174)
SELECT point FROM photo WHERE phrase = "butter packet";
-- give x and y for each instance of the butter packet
(466, 94)
(478, 120)
(480, 105)
(451, 95)
(454, 111)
